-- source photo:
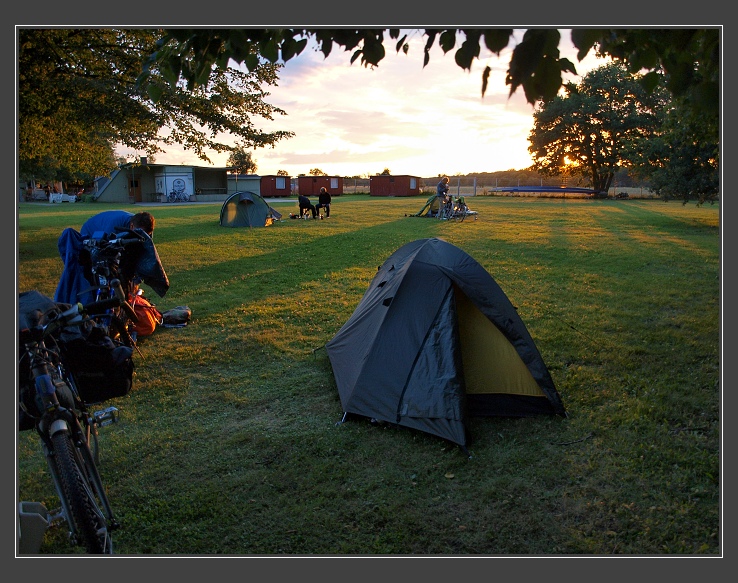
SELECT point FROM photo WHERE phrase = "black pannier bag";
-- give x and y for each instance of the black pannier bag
(101, 369)
(34, 309)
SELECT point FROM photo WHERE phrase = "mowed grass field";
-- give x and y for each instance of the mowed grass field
(228, 443)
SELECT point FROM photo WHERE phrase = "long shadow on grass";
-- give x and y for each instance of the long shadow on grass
(303, 256)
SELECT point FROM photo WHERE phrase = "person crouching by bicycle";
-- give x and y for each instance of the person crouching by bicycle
(324, 201)
(442, 193)
(305, 205)
(111, 221)
(75, 286)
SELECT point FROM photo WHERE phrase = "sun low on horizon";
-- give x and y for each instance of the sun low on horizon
(350, 120)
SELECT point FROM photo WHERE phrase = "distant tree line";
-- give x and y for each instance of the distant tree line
(525, 177)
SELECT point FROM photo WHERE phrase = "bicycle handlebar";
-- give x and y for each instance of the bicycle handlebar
(122, 238)
(101, 306)
(74, 315)
(79, 312)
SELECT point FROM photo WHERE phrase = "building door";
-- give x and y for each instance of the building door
(134, 190)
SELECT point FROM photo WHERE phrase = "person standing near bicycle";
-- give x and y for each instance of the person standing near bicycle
(442, 194)
(324, 201)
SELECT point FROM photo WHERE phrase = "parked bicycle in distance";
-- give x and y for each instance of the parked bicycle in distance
(178, 197)
(455, 209)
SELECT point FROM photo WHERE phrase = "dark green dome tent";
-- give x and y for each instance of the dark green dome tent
(247, 209)
(434, 340)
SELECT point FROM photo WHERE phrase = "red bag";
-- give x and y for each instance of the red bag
(148, 316)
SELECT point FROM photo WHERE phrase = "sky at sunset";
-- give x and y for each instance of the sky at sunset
(350, 120)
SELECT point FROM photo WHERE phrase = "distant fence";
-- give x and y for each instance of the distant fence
(469, 186)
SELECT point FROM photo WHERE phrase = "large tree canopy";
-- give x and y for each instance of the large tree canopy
(241, 162)
(683, 159)
(597, 127)
(689, 57)
(78, 97)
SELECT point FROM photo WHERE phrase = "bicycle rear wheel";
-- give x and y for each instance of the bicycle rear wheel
(91, 519)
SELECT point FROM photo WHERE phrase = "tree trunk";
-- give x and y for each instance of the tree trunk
(601, 182)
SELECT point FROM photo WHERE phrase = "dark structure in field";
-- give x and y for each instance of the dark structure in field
(273, 186)
(311, 185)
(387, 185)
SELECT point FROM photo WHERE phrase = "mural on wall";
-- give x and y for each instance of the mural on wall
(178, 186)
(174, 184)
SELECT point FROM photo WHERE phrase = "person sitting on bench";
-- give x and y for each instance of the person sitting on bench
(324, 201)
(305, 204)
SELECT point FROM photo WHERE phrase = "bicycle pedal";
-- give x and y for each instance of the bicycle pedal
(106, 416)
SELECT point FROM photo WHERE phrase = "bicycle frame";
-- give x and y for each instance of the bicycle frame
(106, 272)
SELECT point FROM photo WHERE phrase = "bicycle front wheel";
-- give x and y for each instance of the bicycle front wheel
(91, 520)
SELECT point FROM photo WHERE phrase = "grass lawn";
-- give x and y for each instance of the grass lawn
(228, 442)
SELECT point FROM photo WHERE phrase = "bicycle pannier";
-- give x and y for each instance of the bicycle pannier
(148, 316)
(100, 369)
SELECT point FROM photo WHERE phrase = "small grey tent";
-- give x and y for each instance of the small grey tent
(247, 209)
(434, 340)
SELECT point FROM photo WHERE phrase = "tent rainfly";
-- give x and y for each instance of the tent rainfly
(430, 208)
(435, 340)
(247, 209)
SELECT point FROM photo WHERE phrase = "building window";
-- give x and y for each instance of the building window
(280, 182)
